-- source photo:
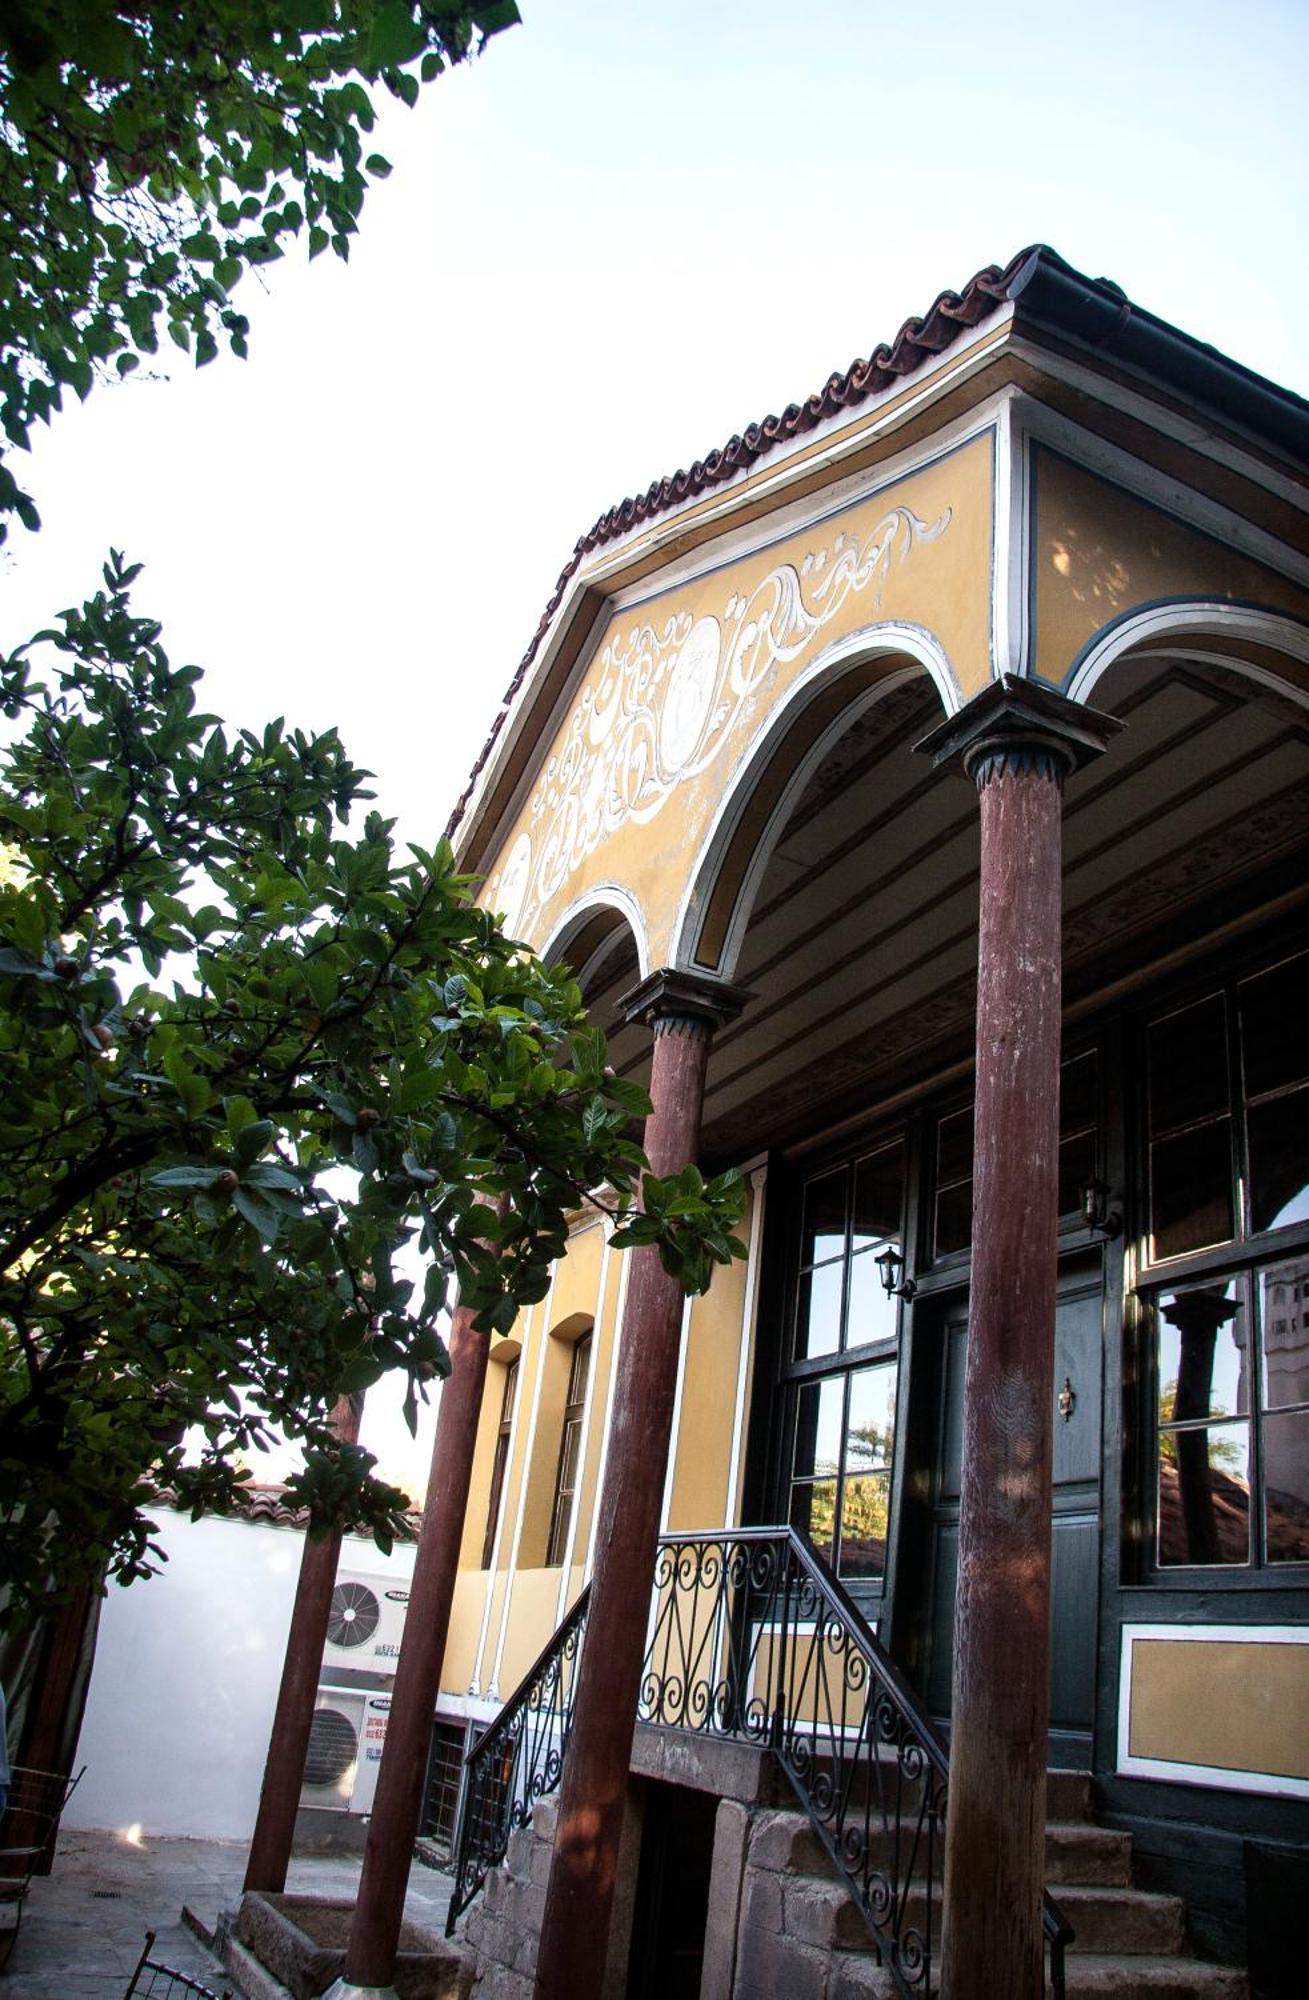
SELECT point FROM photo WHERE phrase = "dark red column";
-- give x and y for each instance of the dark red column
(397, 1807)
(288, 1743)
(575, 1934)
(1017, 741)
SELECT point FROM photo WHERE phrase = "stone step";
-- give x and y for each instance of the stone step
(1093, 1976)
(1067, 1795)
(1123, 1921)
(785, 1842)
(1080, 1852)
(1142, 1977)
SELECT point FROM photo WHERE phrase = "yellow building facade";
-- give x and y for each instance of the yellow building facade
(707, 763)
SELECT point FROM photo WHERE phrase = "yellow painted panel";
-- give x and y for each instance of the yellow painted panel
(531, 1622)
(1099, 553)
(1230, 1705)
(465, 1624)
(704, 1440)
(681, 687)
(604, 1349)
(487, 1654)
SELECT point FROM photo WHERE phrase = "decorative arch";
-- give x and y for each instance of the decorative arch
(593, 928)
(839, 684)
(1240, 636)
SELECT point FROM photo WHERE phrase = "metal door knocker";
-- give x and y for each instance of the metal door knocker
(1067, 1400)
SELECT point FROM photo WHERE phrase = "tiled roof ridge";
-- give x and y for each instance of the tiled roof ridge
(267, 1503)
(950, 314)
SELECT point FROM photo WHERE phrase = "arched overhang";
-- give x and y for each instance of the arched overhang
(841, 684)
(592, 930)
(1266, 646)
(603, 937)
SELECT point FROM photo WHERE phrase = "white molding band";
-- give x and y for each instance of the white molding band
(1158, 623)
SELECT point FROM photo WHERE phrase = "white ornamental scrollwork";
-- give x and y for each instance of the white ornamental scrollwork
(667, 696)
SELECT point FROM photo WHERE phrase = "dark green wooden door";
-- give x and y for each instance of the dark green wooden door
(1075, 1535)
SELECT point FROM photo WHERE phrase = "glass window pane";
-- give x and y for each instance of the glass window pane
(579, 1370)
(818, 1313)
(870, 1426)
(872, 1315)
(1278, 1132)
(1191, 1190)
(1284, 1312)
(1204, 1495)
(1203, 1355)
(954, 1220)
(1077, 1165)
(1286, 1487)
(865, 1504)
(878, 1197)
(823, 1224)
(813, 1513)
(818, 1429)
(1275, 1026)
(1079, 1093)
(954, 1147)
(1188, 1066)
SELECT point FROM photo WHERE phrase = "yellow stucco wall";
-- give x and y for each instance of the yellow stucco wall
(682, 685)
(1098, 553)
(526, 1598)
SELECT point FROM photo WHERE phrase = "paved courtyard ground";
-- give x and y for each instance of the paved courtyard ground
(86, 1921)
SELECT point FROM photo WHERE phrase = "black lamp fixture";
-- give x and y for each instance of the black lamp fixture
(890, 1265)
(1096, 1213)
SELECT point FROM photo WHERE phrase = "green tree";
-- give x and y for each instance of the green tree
(245, 1058)
(152, 154)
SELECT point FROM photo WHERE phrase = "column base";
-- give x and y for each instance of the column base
(344, 1991)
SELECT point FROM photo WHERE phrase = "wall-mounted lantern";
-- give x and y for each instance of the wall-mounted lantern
(890, 1265)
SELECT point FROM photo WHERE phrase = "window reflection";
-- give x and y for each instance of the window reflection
(818, 1321)
(1286, 1487)
(841, 1471)
(1204, 1495)
(1233, 1383)
(1284, 1321)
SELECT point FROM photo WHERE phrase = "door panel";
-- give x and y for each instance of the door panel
(1075, 1515)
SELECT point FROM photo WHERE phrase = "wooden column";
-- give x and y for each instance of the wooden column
(398, 1804)
(685, 1010)
(288, 1742)
(1017, 741)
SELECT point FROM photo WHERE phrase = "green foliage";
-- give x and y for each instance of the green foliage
(245, 1059)
(152, 155)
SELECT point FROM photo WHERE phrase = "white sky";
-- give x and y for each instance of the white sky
(625, 233)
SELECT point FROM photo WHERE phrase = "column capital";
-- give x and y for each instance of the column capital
(682, 1002)
(1017, 724)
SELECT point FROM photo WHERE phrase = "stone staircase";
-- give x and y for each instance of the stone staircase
(782, 1927)
(800, 1934)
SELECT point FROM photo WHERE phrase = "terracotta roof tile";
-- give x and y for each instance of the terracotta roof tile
(269, 1505)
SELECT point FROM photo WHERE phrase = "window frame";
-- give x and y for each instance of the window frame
(571, 1427)
(843, 1362)
(500, 1460)
(1239, 1259)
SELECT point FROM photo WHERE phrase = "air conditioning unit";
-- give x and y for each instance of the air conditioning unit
(376, 1709)
(365, 1623)
(345, 1750)
(333, 1759)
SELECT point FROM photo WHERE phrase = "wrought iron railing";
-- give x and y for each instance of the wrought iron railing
(518, 1759)
(753, 1638)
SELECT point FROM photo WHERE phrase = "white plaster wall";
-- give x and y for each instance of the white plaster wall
(185, 1679)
